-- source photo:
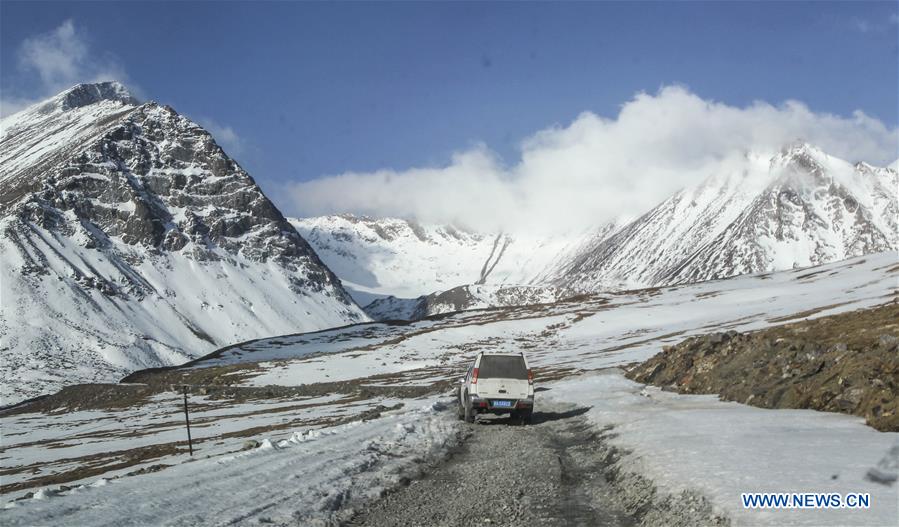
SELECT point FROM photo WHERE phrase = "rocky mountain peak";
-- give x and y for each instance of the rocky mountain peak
(799, 155)
(130, 240)
(89, 93)
(813, 208)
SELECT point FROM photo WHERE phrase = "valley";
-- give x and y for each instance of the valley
(122, 219)
(358, 411)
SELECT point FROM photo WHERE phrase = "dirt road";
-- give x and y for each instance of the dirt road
(558, 471)
(506, 474)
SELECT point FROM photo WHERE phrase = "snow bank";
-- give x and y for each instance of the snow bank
(311, 479)
(723, 449)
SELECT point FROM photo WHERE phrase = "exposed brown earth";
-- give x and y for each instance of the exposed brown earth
(222, 382)
(112, 396)
(95, 465)
(846, 363)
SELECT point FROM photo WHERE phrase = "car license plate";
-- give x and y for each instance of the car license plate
(502, 403)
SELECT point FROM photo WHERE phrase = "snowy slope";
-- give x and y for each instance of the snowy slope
(634, 255)
(595, 331)
(795, 208)
(129, 239)
(378, 257)
(818, 209)
(721, 449)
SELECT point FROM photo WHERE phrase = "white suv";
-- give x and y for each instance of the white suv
(497, 383)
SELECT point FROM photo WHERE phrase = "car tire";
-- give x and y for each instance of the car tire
(460, 410)
(526, 417)
(469, 413)
(518, 418)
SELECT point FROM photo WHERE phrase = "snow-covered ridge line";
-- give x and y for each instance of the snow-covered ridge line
(796, 208)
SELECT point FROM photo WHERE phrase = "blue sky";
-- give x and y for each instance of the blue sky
(298, 91)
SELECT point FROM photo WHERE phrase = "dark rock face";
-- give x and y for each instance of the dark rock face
(847, 363)
(158, 182)
(86, 94)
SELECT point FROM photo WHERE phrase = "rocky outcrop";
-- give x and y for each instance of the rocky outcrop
(847, 363)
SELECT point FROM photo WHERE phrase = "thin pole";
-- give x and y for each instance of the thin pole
(190, 444)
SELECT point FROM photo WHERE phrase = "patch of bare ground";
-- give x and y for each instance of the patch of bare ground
(92, 465)
(86, 397)
(805, 314)
(203, 382)
(635, 343)
(708, 294)
(734, 323)
(812, 274)
(846, 363)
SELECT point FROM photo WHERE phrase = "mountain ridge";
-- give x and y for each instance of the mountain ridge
(774, 210)
(130, 240)
(806, 208)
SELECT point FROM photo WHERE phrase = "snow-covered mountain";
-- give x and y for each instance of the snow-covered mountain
(380, 257)
(797, 208)
(772, 211)
(129, 239)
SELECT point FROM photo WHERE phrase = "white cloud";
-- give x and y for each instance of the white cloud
(595, 168)
(57, 60)
(56, 56)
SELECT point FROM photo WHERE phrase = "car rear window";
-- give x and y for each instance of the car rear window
(505, 367)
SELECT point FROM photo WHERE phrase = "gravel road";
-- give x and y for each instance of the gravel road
(548, 473)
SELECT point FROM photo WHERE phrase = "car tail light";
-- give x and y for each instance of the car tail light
(474, 376)
(530, 376)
